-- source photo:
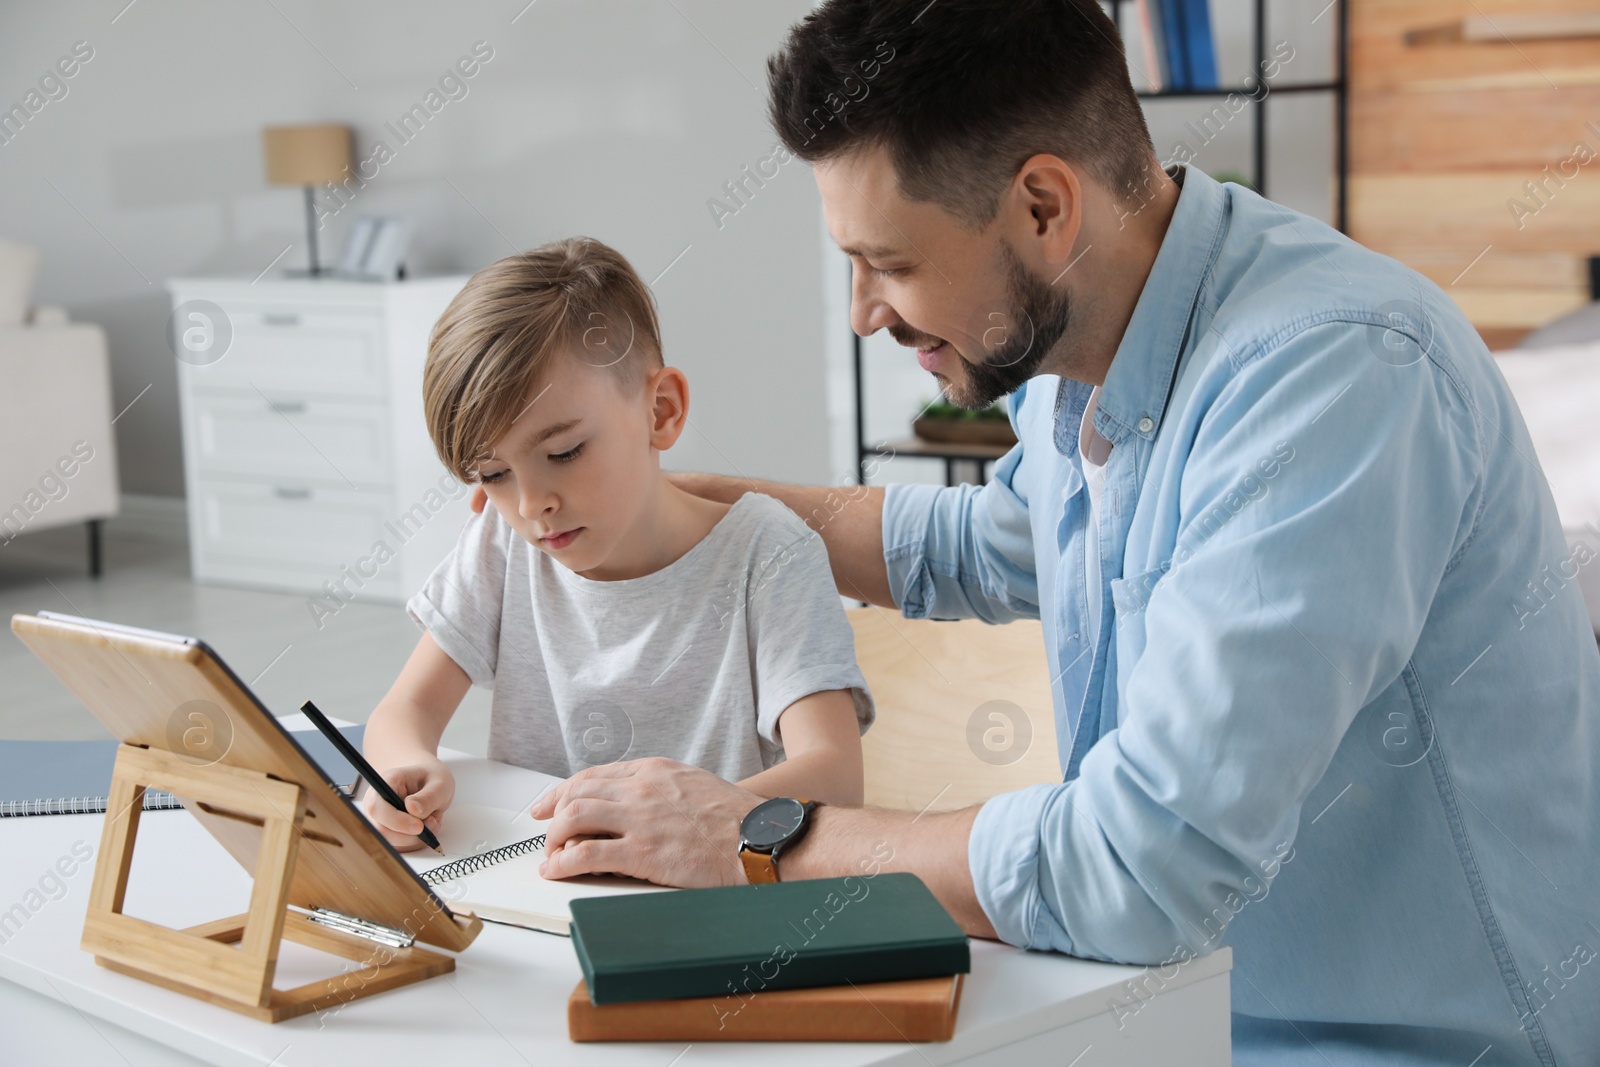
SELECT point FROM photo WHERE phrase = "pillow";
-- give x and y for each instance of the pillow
(19, 269)
(1576, 328)
(1556, 387)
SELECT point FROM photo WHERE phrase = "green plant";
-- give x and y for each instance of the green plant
(943, 409)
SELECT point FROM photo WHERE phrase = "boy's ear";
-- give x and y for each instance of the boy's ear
(668, 390)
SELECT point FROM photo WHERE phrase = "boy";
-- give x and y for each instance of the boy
(614, 615)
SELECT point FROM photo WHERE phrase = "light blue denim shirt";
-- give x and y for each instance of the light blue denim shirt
(1342, 711)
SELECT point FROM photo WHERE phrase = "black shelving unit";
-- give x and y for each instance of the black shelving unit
(1339, 87)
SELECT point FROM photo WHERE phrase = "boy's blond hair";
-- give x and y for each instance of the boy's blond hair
(499, 334)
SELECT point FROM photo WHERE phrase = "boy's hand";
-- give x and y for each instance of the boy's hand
(427, 787)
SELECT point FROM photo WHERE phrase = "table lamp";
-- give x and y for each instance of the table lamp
(308, 156)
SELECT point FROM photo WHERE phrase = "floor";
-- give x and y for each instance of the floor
(270, 639)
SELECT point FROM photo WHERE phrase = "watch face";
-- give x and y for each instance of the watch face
(772, 822)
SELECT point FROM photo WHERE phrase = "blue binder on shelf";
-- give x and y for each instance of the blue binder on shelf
(1184, 44)
(1199, 49)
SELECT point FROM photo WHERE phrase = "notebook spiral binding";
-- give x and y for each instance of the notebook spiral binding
(154, 800)
(448, 872)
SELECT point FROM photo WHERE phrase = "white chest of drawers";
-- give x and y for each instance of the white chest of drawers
(306, 459)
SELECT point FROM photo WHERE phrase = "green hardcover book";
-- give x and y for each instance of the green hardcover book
(736, 941)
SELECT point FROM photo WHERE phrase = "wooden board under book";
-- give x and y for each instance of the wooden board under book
(923, 1009)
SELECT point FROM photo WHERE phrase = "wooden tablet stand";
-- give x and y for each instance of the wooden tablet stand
(323, 876)
(200, 960)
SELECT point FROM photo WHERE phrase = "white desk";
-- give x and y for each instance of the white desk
(506, 1001)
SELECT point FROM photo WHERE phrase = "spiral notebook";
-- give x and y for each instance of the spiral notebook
(491, 867)
(71, 777)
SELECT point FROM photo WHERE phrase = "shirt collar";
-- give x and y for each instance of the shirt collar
(1137, 386)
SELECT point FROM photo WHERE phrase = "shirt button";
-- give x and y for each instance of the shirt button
(1146, 424)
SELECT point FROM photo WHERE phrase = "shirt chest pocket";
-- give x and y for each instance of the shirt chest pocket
(1130, 599)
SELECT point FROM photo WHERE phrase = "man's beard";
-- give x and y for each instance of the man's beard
(1039, 320)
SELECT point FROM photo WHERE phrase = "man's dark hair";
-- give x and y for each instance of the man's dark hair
(961, 92)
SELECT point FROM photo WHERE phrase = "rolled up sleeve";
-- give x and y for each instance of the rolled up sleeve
(962, 552)
(1262, 641)
(1003, 853)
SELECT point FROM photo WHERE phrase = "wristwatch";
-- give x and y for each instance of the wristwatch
(770, 828)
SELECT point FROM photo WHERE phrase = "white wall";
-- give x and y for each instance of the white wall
(614, 118)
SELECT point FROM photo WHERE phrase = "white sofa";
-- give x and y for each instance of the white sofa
(58, 454)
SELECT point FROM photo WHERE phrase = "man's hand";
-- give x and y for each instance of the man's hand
(655, 819)
(673, 824)
(724, 488)
(849, 518)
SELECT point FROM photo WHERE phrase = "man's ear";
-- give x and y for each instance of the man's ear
(668, 391)
(1050, 195)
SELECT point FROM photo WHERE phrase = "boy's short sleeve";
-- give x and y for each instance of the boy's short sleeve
(459, 604)
(801, 639)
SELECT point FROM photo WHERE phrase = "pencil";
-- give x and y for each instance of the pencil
(363, 768)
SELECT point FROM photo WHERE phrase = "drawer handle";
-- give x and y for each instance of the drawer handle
(287, 407)
(283, 492)
(281, 318)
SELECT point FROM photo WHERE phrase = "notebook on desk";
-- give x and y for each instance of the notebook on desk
(491, 867)
(71, 777)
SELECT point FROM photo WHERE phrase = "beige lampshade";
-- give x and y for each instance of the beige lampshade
(306, 155)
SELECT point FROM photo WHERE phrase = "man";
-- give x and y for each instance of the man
(1323, 691)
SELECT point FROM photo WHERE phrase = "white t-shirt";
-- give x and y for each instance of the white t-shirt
(1094, 450)
(695, 662)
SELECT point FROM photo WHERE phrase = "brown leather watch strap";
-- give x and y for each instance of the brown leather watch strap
(758, 867)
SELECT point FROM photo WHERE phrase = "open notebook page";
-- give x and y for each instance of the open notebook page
(510, 891)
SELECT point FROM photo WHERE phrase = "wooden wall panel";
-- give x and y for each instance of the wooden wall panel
(1443, 141)
(1469, 209)
(1501, 268)
(1506, 309)
(1433, 131)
